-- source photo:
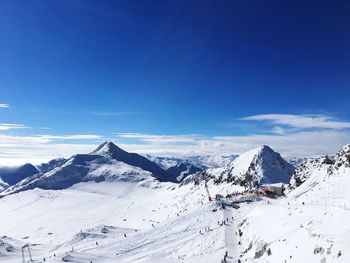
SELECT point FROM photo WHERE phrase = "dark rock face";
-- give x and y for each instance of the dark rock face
(182, 170)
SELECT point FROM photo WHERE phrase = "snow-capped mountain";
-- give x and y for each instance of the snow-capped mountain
(112, 151)
(44, 167)
(182, 170)
(201, 162)
(107, 163)
(311, 224)
(179, 168)
(164, 161)
(211, 161)
(320, 171)
(305, 169)
(326, 178)
(12, 175)
(295, 161)
(258, 166)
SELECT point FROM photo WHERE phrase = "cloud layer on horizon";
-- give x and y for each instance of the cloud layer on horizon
(293, 122)
(292, 136)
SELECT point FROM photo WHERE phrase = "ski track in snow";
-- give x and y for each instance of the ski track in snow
(231, 242)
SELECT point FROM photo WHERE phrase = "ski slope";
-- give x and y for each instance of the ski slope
(165, 223)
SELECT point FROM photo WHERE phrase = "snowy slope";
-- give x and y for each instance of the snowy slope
(110, 150)
(257, 166)
(45, 167)
(82, 168)
(328, 181)
(311, 225)
(305, 169)
(106, 163)
(88, 222)
(123, 221)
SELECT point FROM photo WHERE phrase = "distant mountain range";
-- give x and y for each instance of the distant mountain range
(108, 162)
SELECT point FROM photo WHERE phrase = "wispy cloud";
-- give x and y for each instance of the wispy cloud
(310, 121)
(299, 144)
(4, 106)
(11, 126)
(161, 139)
(292, 136)
(71, 137)
(16, 149)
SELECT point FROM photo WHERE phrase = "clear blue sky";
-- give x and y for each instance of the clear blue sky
(170, 67)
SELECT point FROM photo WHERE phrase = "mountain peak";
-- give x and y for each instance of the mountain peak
(110, 150)
(107, 148)
(265, 148)
(258, 166)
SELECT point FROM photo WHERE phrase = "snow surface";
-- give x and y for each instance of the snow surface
(144, 220)
(310, 225)
(164, 227)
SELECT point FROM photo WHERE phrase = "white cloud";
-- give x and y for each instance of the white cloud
(4, 106)
(278, 130)
(327, 136)
(38, 149)
(161, 139)
(10, 126)
(301, 121)
(71, 137)
(299, 144)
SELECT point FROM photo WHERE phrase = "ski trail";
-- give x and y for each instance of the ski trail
(231, 241)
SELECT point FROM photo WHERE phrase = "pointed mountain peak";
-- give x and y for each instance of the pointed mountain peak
(265, 148)
(260, 165)
(107, 148)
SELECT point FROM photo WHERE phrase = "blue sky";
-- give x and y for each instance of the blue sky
(196, 76)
